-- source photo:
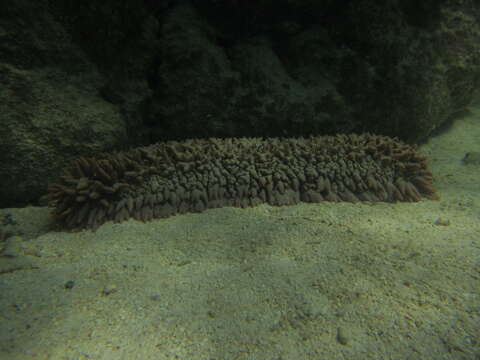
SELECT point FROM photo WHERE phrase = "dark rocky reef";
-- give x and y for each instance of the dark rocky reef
(190, 176)
(283, 68)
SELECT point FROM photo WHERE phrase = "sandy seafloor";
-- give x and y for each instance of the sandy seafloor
(313, 281)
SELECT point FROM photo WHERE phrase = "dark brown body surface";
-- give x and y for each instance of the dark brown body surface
(169, 178)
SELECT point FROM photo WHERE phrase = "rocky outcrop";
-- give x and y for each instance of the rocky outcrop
(50, 110)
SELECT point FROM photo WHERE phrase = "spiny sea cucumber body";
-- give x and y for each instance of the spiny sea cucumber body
(173, 177)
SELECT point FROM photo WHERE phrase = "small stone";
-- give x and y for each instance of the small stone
(472, 158)
(442, 222)
(69, 284)
(342, 336)
(109, 289)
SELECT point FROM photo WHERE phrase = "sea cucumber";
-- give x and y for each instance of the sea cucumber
(176, 177)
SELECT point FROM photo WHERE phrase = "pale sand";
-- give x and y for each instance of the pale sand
(313, 281)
